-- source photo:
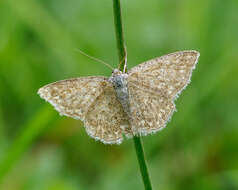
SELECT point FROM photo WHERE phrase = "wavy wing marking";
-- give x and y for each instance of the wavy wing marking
(92, 100)
(106, 119)
(150, 112)
(153, 87)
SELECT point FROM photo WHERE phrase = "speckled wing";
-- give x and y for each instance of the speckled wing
(154, 85)
(92, 100)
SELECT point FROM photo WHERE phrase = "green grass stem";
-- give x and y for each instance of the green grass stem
(122, 61)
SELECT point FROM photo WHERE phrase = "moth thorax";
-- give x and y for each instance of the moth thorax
(120, 85)
(119, 81)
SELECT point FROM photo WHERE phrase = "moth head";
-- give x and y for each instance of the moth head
(116, 72)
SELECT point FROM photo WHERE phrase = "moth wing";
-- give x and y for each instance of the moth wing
(154, 85)
(92, 100)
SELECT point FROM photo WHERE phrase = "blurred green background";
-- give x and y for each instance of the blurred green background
(39, 150)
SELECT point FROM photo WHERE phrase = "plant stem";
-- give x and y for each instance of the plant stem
(122, 61)
(142, 163)
(119, 34)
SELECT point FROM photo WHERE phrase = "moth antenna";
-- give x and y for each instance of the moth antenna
(124, 69)
(95, 59)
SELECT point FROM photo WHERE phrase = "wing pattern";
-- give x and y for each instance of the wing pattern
(92, 100)
(153, 87)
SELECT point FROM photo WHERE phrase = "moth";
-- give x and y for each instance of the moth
(139, 102)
